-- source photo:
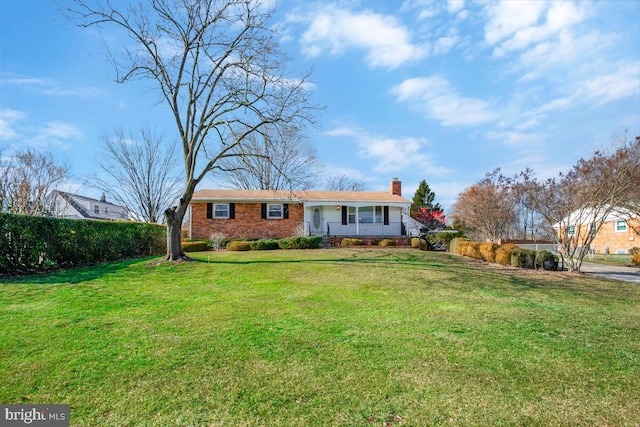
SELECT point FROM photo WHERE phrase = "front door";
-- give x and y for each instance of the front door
(316, 220)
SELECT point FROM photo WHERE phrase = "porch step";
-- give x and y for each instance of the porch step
(326, 242)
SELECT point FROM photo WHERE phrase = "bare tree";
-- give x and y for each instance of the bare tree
(487, 208)
(27, 180)
(631, 202)
(219, 69)
(344, 183)
(273, 159)
(577, 203)
(138, 172)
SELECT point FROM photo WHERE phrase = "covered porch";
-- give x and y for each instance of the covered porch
(355, 219)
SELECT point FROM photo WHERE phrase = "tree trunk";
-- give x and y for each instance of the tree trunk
(173, 217)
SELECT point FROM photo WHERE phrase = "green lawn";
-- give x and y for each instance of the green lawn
(612, 259)
(344, 337)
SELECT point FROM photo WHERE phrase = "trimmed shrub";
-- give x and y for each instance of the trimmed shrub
(440, 241)
(387, 242)
(264, 245)
(634, 251)
(472, 250)
(523, 258)
(415, 242)
(635, 259)
(351, 242)
(238, 245)
(503, 253)
(453, 246)
(300, 242)
(195, 246)
(546, 257)
(461, 247)
(488, 251)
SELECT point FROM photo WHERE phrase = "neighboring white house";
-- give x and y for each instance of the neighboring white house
(74, 206)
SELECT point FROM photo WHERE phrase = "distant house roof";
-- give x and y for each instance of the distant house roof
(588, 216)
(299, 196)
(75, 200)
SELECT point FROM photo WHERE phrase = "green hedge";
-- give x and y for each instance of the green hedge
(302, 242)
(31, 244)
(195, 246)
(238, 245)
(264, 245)
(527, 258)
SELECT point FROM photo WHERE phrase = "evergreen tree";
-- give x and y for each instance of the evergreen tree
(423, 198)
(424, 210)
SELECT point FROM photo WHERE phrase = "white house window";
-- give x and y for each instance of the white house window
(96, 209)
(571, 230)
(370, 214)
(221, 211)
(621, 226)
(351, 211)
(593, 228)
(274, 211)
(106, 210)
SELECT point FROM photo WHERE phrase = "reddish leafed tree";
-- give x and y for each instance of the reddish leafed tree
(432, 220)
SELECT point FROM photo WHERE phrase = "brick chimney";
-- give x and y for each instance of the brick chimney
(395, 187)
(103, 198)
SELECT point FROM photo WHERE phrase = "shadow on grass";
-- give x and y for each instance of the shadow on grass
(73, 275)
(381, 259)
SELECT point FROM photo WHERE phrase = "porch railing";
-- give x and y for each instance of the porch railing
(338, 229)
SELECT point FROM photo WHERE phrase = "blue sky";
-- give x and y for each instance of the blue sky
(439, 90)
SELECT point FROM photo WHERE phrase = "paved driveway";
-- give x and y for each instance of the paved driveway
(626, 274)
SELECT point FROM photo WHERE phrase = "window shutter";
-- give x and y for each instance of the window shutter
(264, 211)
(232, 210)
(285, 211)
(344, 215)
(209, 210)
(386, 215)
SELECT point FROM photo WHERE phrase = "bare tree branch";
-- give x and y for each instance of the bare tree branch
(27, 180)
(140, 172)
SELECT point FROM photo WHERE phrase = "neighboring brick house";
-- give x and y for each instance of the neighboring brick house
(616, 234)
(280, 213)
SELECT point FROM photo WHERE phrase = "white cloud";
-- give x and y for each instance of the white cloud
(335, 30)
(455, 6)
(59, 130)
(514, 26)
(507, 18)
(444, 44)
(391, 154)
(512, 137)
(52, 88)
(618, 84)
(440, 101)
(8, 119)
(342, 131)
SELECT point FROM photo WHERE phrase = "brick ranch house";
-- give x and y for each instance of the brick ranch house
(283, 213)
(616, 234)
